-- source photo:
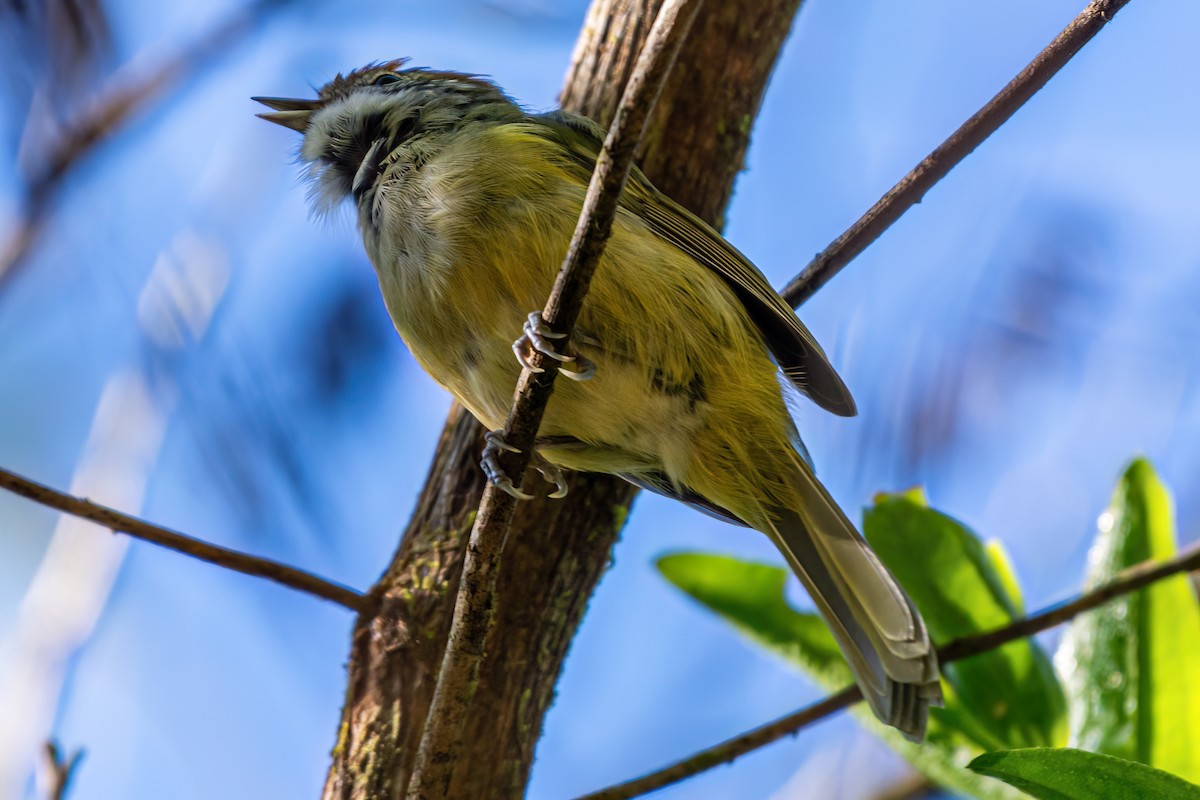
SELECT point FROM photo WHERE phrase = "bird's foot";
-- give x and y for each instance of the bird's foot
(490, 463)
(499, 478)
(585, 372)
(537, 336)
(552, 474)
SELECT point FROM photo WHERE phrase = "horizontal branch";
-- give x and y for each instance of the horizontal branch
(458, 678)
(1129, 580)
(935, 166)
(119, 522)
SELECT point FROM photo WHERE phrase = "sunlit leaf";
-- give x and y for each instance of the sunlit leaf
(1067, 774)
(1133, 665)
(1008, 576)
(1008, 697)
(751, 598)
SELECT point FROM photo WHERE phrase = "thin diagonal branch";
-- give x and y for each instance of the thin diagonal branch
(1129, 580)
(909, 191)
(459, 674)
(181, 543)
(1139, 576)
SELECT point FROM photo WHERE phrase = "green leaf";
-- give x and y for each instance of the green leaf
(1133, 666)
(998, 555)
(1066, 774)
(1006, 698)
(751, 598)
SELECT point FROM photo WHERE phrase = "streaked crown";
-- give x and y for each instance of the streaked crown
(359, 122)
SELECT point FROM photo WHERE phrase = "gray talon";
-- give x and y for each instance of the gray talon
(586, 371)
(505, 485)
(491, 465)
(538, 330)
(553, 475)
(523, 358)
(537, 336)
(495, 439)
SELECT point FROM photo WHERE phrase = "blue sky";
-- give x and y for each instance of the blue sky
(1011, 342)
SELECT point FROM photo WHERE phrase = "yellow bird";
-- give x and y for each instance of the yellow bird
(466, 203)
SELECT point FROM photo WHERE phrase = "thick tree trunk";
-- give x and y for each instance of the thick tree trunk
(557, 549)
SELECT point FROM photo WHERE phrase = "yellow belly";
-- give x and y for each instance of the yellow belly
(684, 385)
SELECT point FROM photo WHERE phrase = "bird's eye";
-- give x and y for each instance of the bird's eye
(385, 79)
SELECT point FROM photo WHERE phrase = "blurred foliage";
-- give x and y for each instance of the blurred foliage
(1068, 774)
(261, 420)
(1130, 666)
(61, 44)
(1023, 319)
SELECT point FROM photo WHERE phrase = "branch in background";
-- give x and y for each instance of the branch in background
(474, 606)
(909, 191)
(181, 543)
(1129, 580)
(730, 749)
(116, 105)
(57, 773)
(70, 588)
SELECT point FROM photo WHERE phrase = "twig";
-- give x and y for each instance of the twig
(57, 772)
(1129, 580)
(119, 102)
(909, 191)
(181, 543)
(730, 749)
(458, 677)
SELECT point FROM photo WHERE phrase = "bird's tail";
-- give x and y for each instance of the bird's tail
(879, 630)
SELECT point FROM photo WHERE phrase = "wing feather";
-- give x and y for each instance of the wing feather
(802, 360)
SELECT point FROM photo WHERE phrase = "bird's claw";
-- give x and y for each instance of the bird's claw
(505, 484)
(554, 475)
(537, 336)
(490, 463)
(586, 371)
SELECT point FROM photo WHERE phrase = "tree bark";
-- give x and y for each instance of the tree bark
(557, 549)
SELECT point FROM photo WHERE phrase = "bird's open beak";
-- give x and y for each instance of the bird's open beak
(288, 112)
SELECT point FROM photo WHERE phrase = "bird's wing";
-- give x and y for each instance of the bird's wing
(659, 483)
(800, 357)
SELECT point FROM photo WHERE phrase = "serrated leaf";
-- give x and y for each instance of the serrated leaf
(1008, 697)
(1133, 666)
(751, 598)
(1068, 774)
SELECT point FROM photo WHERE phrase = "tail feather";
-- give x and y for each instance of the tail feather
(874, 622)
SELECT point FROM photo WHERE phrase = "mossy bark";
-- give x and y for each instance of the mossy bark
(557, 549)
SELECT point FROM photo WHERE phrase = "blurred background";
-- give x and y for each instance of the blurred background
(180, 340)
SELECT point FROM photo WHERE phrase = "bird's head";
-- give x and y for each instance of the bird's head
(358, 123)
